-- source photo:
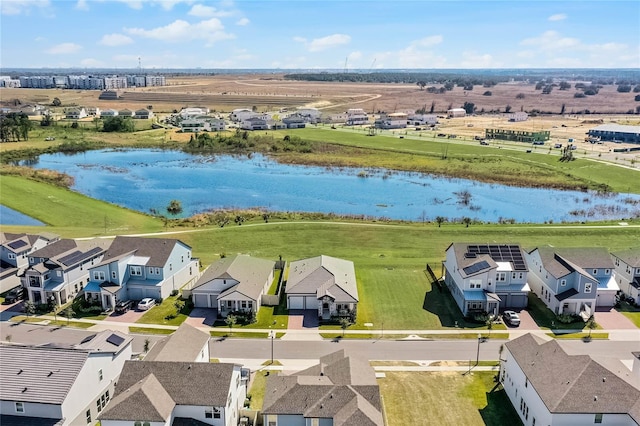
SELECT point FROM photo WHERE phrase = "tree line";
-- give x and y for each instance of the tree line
(15, 127)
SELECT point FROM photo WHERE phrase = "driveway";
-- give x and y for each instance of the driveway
(526, 321)
(202, 316)
(610, 319)
(13, 307)
(132, 315)
(303, 319)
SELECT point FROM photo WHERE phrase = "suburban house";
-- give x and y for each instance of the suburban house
(135, 267)
(254, 123)
(14, 253)
(627, 272)
(94, 111)
(549, 387)
(356, 116)
(486, 277)
(241, 114)
(176, 394)
(311, 115)
(339, 391)
(295, 121)
(456, 112)
(108, 113)
(54, 385)
(125, 113)
(423, 119)
(193, 112)
(202, 124)
(234, 284)
(572, 281)
(323, 283)
(396, 120)
(143, 114)
(59, 271)
(616, 133)
(518, 116)
(76, 113)
(186, 344)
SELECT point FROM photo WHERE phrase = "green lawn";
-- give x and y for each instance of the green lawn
(580, 335)
(148, 330)
(630, 312)
(59, 323)
(429, 398)
(545, 318)
(256, 393)
(165, 313)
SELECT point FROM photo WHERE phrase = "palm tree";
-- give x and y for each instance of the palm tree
(591, 325)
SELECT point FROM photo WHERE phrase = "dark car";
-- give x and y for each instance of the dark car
(14, 295)
(123, 306)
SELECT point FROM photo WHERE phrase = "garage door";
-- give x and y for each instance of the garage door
(296, 302)
(152, 292)
(518, 301)
(135, 293)
(311, 302)
(606, 299)
(200, 300)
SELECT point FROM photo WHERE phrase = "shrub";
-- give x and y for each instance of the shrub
(487, 93)
(566, 318)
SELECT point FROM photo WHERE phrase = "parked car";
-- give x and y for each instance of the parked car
(123, 306)
(14, 295)
(484, 143)
(146, 304)
(511, 318)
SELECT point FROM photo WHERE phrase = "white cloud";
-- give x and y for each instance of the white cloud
(428, 41)
(165, 4)
(18, 7)
(210, 30)
(416, 55)
(91, 63)
(324, 43)
(558, 17)
(115, 39)
(475, 60)
(551, 40)
(242, 22)
(202, 11)
(64, 48)
(82, 5)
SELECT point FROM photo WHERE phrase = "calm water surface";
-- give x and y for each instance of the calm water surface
(11, 217)
(147, 179)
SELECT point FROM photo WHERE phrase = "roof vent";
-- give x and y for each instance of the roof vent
(50, 374)
(24, 390)
(595, 398)
(20, 372)
(604, 379)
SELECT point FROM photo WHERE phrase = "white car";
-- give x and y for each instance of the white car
(511, 318)
(146, 304)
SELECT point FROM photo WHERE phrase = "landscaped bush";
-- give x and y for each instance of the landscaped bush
(567, 318)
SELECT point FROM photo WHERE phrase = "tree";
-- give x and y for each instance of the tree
(564, 85)
(440, 220)
(174, 208)
(487, 93)
(239, 220)
(147, 342)
(56, 102)
(179, 305)
(68, 313)
(520, 96)
(118, 124)
(591, 325)
(433, 107)
(562, 109)
(421, 84)
(507, 109)
(231, 320)
(469, 107)
(466, 221)
(29, 308)
(344, 324)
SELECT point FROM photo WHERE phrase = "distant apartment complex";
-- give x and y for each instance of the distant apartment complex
(84, 82)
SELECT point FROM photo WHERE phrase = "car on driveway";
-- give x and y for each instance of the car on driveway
(14, 295)
(512, 318)
(146, 304)
(123, 306)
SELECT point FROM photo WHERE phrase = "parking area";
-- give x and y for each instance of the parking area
(303, 319)
(610, 319)
(202, 316)
(12, 307)
(526, 321)
(132, 315)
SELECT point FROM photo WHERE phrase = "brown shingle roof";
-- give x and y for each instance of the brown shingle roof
(631, 256)
(184, 345)
(146, 400)
(156, 249)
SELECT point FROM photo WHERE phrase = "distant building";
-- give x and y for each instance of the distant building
(109, 95)
(295, 122)
(241, 114)
(6, 81)
(254, 123)
(616, 133)
(422, 119)
(396, 120)
(202, 124)
(518, 116)
(456, 112)
(76, 114)
(356, 116)
(108, 113)
(517, 135)
(143, 114)
(111, 83)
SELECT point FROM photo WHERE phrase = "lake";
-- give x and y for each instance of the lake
(11, 217)
(144, 179)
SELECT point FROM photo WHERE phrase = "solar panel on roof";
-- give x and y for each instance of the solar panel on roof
(114, 339)
(479, 266)
(67, 260)
(17, 244)
(88, 339)
(78, 256)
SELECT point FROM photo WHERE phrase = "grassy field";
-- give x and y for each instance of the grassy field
(427, 398)
(256, 393)
(165, 313)
(631, 312)
(59, 323)
(149, 330)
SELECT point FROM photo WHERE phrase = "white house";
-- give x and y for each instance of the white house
(170, 393)
(143, 114)
(254, 123)
(339, 391)
(396, 120)
(14, 255)
(54, 385)
(134, 268)
(486, 277)
(456, 112)
(627, 272)
(234, 284)
(423, 119)
(193, 112)
(323, 283)
(356, 116)
(311, 115)
(108, 113)
(76, 113)
(202, 124)
(59, 271)
(518, 116)
(572, 280)
(241, 114)
(548, 387)
(186, 344)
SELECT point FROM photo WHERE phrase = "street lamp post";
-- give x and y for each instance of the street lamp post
(478, 351)
(272, 335)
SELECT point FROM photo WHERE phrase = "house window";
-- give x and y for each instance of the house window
(216, 413)
(100, 374)
(637, 271)
(136, 270)
(595, 272)
(12, 255)
(587, 288)
(157, 271)
(533, 421)
(598, 418)
(150, 270)
(98, 275)
(243, 304)
(607, 271)
(182, 259)
(501, 276)
(208, 413)
(170, 267)
(58, 273)
(19, 407)
(315, 422)
(249, 305)
(513, 275)
(88, 414)
(520, 275)
(31, 260)
(563, 283)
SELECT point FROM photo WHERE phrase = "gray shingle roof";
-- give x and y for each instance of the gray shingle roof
(183, 345)
(187, 383)
(473, 258)
(571, 383)
(631, 256)
(250, 272)
(323, 391)
(323, 275)
(156, 249)
(145, 400)
(560, 262)
(38, 374)
(107, 341)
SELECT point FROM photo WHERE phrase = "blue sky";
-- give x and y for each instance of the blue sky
(319, 34)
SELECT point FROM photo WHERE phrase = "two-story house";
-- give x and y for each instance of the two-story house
(234, 284)
(572, 280)
(549, 387)
(627, 272)
(59, 271)
(134, 268)
(186, 344)
(171, 393)
(338, 391)
(14, 255)
(486, 277)
(56, 385)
